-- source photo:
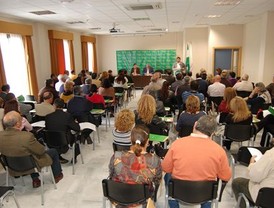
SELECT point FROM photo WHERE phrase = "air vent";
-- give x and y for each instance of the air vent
(95, 28)
(141, 19)
(75, 22)
(227, 2)
(137, 7)
(44, 12)
(140, 31)
(157, 29)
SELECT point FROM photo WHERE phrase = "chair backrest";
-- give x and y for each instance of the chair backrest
(30, 98)
(265, 198)
(185, 131)
(117, 147)
(193, 192)
(98, 106)
(55, 139)
(125, 194)
(19, 164)
(215, 100)
(119, 89)
(243, 155)
(238, 133)
(243, 94)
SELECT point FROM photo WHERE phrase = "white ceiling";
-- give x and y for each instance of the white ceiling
(175, 15)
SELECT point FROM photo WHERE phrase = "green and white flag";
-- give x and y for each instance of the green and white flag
(188, 57)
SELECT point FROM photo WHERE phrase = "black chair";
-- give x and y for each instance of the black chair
(22, 165)
(193, 192)
(238, 133)
(264, 199)
(6, 191)
(124, 194)
(119, 95)
(243, 94)
(214, 102)
(29, 98)
(117, 147)
(185, 131)
(58, 140)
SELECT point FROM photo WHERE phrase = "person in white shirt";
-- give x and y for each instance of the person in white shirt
(216, 89)
(178, 66)
(244, 85)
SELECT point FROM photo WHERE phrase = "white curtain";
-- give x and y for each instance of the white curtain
(15, 65)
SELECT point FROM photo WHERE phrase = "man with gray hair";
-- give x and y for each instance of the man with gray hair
(197, 157)
(244, 84)
(16, 143)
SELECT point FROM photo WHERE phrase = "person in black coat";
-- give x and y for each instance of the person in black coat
(62, 121)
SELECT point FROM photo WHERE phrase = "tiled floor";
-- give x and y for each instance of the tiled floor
(83, 190)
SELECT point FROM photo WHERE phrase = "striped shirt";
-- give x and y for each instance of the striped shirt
(121, 138)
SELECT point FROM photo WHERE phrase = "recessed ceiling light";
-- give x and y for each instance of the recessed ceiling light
(175, 22)
(212, 16)
(43, 12)
(227, 2)
(66, 1)
(141, 19)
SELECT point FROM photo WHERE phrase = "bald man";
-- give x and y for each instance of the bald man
(16, 143)
(216, 89)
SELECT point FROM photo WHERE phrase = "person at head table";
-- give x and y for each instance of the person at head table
(135, 70)
(148, 70)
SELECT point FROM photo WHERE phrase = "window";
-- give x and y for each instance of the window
(90, 57)
(14, 61)
(67, 55)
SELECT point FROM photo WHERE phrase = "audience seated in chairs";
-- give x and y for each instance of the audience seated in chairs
(167, 97)
(86, 86)
(16, 143)
(244, 85)
(62, 121)
(259, 98)
(240, 114)
(106, 89)
(189, 116)
(193, 91)
(49, 87)
(185, 87)
(44, 108)
(224, 108)
(94, 97)
(216, 89)
(124, 122)
(197, 157)
(261, 174)
(137, 166)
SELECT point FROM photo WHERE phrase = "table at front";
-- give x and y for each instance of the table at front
(141, 81)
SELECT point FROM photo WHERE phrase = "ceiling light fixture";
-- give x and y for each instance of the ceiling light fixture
(212, 16)
(227, 2)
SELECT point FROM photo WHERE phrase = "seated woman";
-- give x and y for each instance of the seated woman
(258, 98)
(120, 80)
(94, 97)
(146, 114)
(240, 114)
(167, 96)
(223, 108)
(13, 105)
(135, 70)
(68, 91)
(136, 166)
(188, 117)
(106, 90)
(124, 122)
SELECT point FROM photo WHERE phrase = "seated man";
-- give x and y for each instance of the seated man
(197, 157)
(261, 174)
(62, 121)
(45, 107)
(193, 91)
(16, 143)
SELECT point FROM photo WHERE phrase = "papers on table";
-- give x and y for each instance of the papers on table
(255, 152)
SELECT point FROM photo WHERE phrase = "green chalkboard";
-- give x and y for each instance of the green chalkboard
(158, 59)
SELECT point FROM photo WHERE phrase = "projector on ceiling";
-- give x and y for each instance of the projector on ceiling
(113, 30)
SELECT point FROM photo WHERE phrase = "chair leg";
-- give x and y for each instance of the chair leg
(97, 130)
(22, 179)
(73, 158)
(52, 177)
(233, 164)
(11, 193)
(42, 187)
(104, 202)
(7, 177)
(82, 159)
(93, 139)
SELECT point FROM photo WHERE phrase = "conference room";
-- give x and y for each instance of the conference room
(45, 37)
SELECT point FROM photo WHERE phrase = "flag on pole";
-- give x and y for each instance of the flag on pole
(188, 57)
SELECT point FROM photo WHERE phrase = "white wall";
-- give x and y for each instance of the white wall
(198, 37)
(107, 46)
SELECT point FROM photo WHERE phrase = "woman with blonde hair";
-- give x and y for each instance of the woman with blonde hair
(188, 117)
(239, 114)
(124, 122)
(68, 91)
(146, 114)
(136, 166)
